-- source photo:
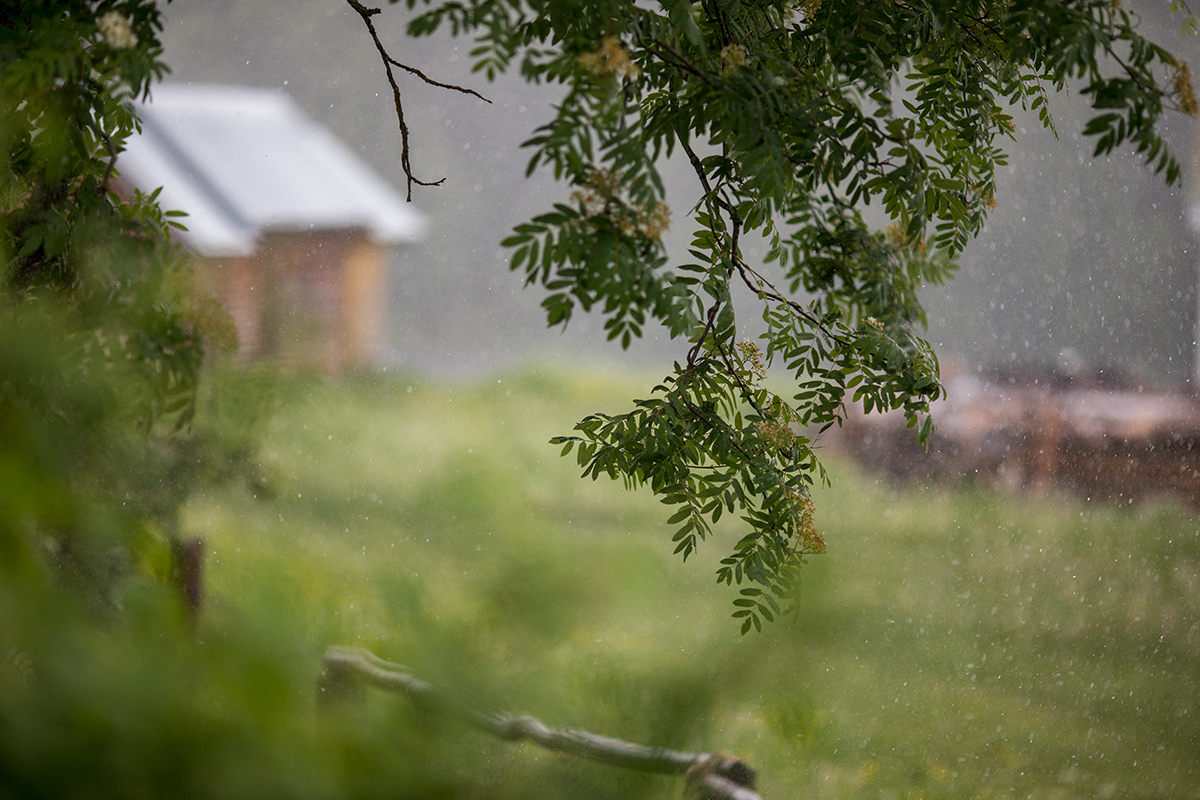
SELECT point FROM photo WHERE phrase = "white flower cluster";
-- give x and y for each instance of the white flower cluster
(116, 30)
(732, 57)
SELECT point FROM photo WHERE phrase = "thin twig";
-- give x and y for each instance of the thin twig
(112, 160)
(666, 53)
(717, 775)
(696, 165)
(388, 62)
(432, 82)
(708, 327)
(699, 412)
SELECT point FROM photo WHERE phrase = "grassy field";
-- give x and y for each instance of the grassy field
(951, 644)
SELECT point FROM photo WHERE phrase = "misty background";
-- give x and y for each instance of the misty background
(1088, 258)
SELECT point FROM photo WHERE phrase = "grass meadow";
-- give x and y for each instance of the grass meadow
(951, 644)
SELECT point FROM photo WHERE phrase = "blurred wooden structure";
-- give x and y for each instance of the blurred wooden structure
(290, 230)
(1038, 430)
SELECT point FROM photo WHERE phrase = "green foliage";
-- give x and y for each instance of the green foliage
(793, 116)
(102, 341)
(975, 644)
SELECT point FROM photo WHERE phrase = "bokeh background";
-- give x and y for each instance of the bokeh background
(955, 642)
(1091, 255)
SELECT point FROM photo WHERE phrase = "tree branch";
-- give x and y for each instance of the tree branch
(695, 162)
(718, 776)
(668, 55)
(112, 159)
(388, 62)
(432, 82)
(708, 326)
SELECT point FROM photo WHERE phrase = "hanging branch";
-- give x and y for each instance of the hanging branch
(388, 63)
(715, 776)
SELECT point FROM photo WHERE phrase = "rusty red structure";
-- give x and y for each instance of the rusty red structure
(1038, 430)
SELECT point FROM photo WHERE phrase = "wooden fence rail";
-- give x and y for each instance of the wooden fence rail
(712, 776)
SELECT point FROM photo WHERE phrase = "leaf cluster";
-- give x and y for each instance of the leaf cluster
(68, 73)
(104, 335)
(794, 116)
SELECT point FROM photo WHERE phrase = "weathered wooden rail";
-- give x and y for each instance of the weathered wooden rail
(712, 776)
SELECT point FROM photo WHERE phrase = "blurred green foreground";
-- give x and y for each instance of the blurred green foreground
(952, 644)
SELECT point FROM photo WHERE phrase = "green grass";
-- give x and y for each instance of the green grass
(951, 644)
(1017, 647)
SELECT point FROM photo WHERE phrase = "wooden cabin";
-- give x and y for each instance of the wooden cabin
(292, 231)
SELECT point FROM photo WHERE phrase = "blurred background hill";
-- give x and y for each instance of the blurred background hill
(1093, 257)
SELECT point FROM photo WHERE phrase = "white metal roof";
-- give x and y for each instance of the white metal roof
(241, 161)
